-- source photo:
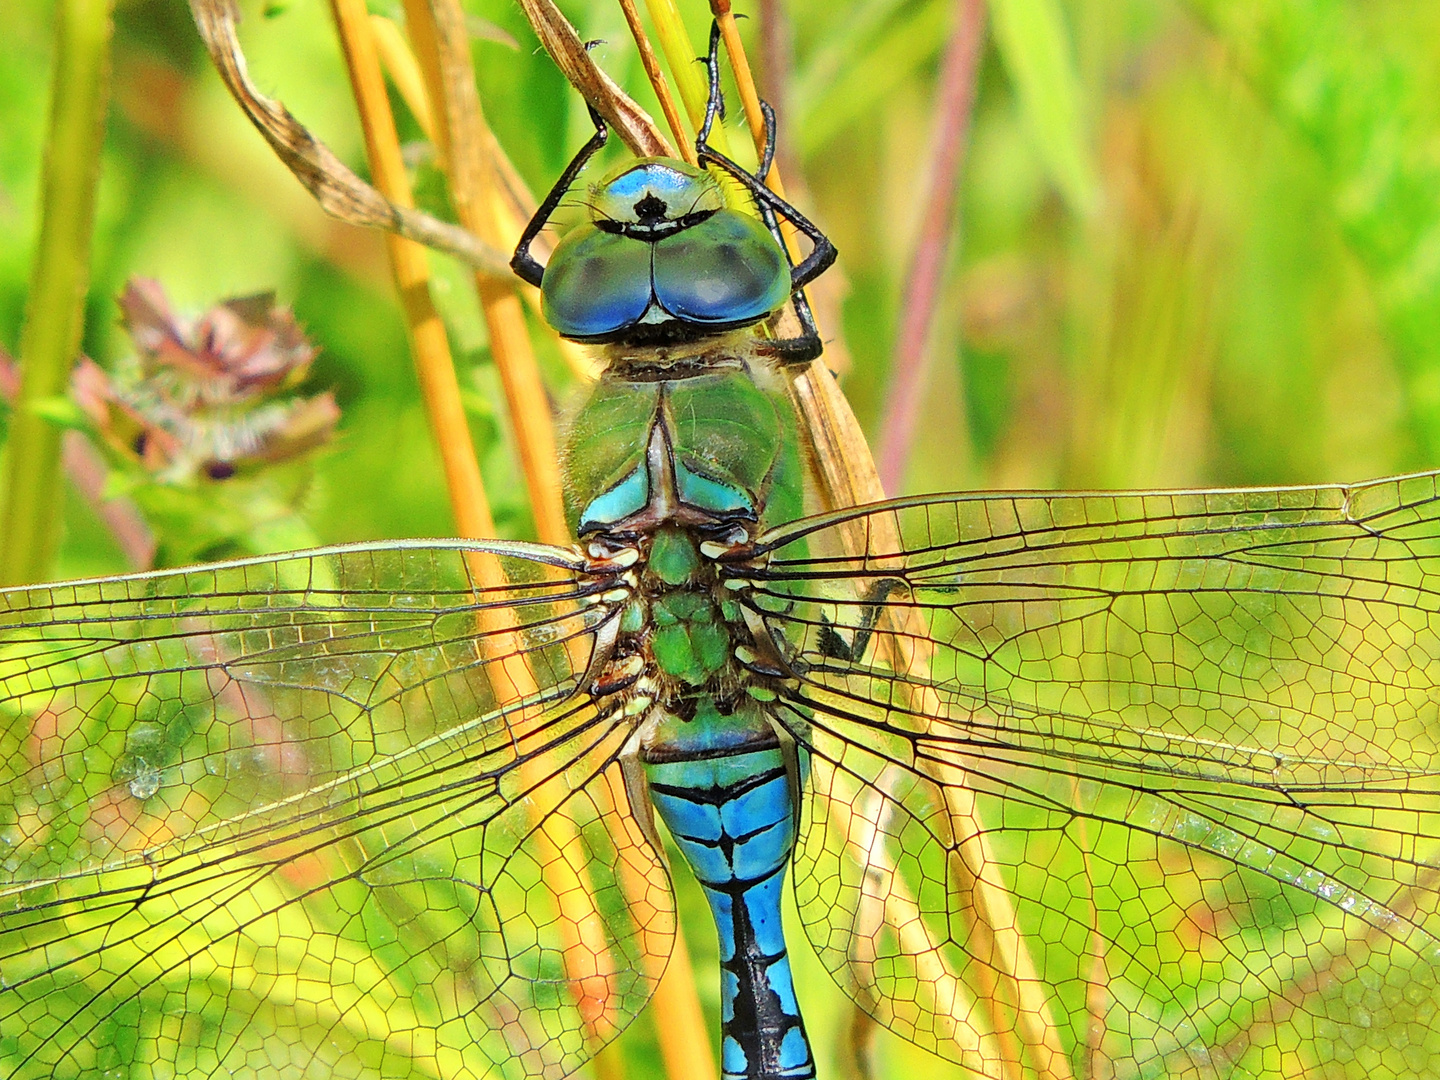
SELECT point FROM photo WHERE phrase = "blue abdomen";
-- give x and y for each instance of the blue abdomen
(731, 811)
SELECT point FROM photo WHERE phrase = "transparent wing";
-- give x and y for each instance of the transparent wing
(341, 813)
(1125, 784)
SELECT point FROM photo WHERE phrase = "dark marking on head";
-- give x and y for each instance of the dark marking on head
(651, 208)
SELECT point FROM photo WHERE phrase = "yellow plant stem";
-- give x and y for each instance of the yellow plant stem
(404, 71)
(442, 47)
(679, 1023)
(32, 492)
(657, 81)
(515, 202)
(431, 349)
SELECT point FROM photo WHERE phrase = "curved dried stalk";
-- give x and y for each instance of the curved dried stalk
(339, 191)
(634, 126)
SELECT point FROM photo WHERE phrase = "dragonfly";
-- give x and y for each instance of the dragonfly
(1136, 784)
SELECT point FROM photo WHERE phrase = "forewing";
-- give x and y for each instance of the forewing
(340, 813)
(1125, 784)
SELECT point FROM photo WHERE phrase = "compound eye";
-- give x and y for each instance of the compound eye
(596, 283)
(725, 270)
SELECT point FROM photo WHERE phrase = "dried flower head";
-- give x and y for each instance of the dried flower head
(207, 396)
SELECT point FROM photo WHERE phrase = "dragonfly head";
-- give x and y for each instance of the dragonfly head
(662, 260)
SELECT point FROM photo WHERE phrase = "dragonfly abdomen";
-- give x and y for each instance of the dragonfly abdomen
(731, 811)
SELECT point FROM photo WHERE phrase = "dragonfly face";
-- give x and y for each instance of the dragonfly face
(1132, 784)
(662, 260)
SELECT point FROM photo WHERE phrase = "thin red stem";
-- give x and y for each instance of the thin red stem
(954, 106)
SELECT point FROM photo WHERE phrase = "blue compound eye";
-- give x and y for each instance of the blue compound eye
(596, 283)
(727, 269)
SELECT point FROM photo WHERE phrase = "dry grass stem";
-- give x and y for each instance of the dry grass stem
(657, 80)
(442, 43)
(628, 120)
(404, 71)
(513, 203)
(339, 191)
(431, 349)
(679, 1022)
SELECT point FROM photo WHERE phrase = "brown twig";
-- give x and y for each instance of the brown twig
(954, 106)
(338, 190)
(657, 79)
(431, 349)
(627, 119)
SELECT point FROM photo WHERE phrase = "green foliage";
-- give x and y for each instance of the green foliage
(1031, 38)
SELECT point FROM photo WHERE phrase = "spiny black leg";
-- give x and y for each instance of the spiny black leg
(522, 262)
(767, 156)
(715, 102)
(836, 647)
(805, 346)
(823, 252)
(821, 255)
(799, 350)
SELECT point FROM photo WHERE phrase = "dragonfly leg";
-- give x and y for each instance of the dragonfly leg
(715, 101)
(805, 346)
(836, 647)
(522, 262)
(822, 254)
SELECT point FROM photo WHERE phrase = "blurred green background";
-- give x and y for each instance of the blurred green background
(1198, 243)
(1236, 281)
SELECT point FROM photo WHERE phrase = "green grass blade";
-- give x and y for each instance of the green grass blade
(1036, 49)
(59, 279)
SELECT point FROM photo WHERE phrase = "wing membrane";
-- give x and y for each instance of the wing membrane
(309, 815)
(1143, 780)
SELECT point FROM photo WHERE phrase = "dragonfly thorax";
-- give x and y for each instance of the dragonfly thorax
(685, 472)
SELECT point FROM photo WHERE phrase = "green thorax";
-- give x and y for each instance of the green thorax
(712, 451)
